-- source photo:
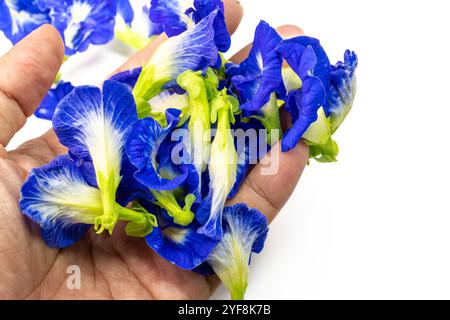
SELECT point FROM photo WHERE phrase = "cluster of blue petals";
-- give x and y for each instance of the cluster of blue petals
(120, 138)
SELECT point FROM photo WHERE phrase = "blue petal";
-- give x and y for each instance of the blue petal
(248, 221)
(193, 50)
(128, 77)
(61, 235)
(48, 105)
(83, 22)
(93, 125)
(290, 51)
(19, 17)
(183, 247)
(49, 197)
(303, 106)
(342, 89)
(143, 146)
(248, 227)
(171, 14)
(259, 75)
(125, 9)
(202, 9)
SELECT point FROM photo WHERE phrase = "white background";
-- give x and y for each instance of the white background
(377, 223)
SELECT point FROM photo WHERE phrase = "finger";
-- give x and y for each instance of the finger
(233, 16)
(271, 182)
(26, 74)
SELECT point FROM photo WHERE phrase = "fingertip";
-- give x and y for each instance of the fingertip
(290, 31)
(32, 63)
(233, 14)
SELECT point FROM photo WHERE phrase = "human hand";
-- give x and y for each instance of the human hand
(114, 266)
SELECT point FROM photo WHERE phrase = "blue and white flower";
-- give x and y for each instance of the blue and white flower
(256, 78)
(222, 166)
(20, 17)
(192, 50)
(93, 125)
(177, 16)
(149, 151)
(82, 22)
(245, 231)
(133, 24)
(343, 89)
(308, 60)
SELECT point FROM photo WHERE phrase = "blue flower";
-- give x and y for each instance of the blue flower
(308, 60)
(192, 50)
(182, 246)
(20, 17)
(256, 78)
(93, 125)
(177, 16)
(343, 89)
(222, 166)
(59, 199)
(128, 77)
(48, 105)
(133, 24)
(245, 231)
(82, 22)
(150, 151)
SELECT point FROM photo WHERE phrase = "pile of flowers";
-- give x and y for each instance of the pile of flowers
(156, 147)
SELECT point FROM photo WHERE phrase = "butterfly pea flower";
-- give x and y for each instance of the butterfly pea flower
(93, 125)
(192, 50)
(343, 89)
(245, 231)
(256, 78)
(58, 197)
(199, 122)
(51, 100)
(307, 106)
(182, 246)
(222, 166)
(20, 17)
(133, 25)
(82, 22)
(146, 149)
(177, 16)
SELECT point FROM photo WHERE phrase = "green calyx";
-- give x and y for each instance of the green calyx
(181, 216)
(270, 119)
(324, 153)
(147, 86)
(140, 221)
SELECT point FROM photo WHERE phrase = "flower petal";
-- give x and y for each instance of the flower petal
(128, 77)
(60, 200)
(51, 100)
(343, 89)
(143, 145)
(93, 125)
(183, 247)
(259, 75)
(19, 18)
(303, 107)
(245, 231)
(192, 50)
(82, 22)
(172, 15)
(317, 65)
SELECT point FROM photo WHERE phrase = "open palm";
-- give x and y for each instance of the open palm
(116, 267)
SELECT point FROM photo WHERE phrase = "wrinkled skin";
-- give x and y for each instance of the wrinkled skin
(116, 267)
